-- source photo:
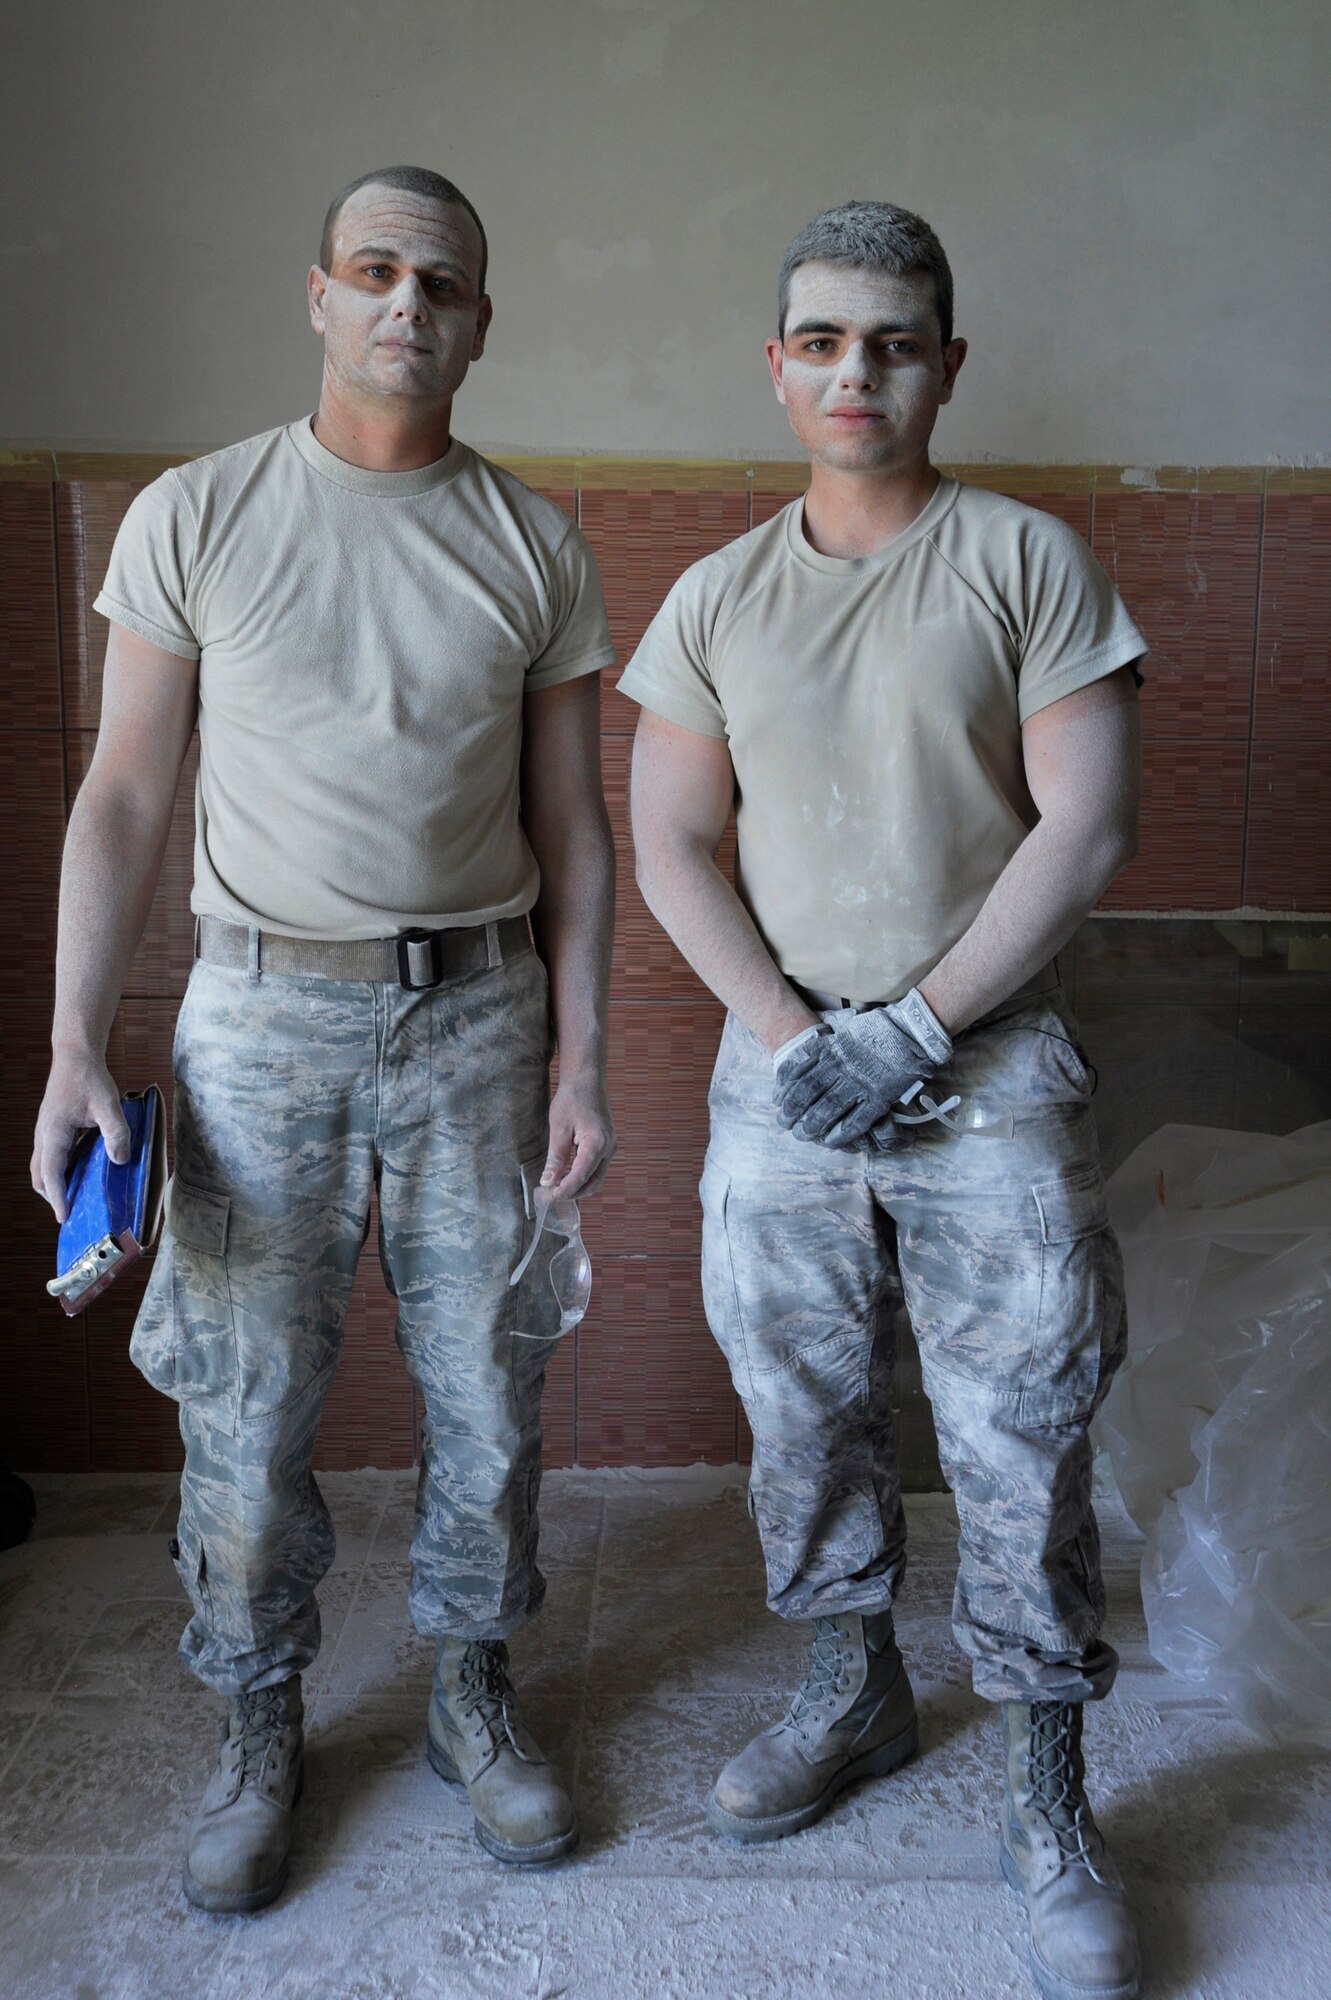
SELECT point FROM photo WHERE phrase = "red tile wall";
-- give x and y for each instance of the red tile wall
(1289, 786)
(1233, 590)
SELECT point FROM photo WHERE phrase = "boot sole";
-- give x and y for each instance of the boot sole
(241, 1902)
(540, 1854)
(1048, 1981)
(877, 1763)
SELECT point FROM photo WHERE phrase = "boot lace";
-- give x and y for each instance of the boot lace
(826, 1675)
(261, 1722)
(1058, 1783)
(486, 1692)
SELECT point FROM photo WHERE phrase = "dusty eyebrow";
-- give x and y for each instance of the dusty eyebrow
(889, 327)
(383, 256)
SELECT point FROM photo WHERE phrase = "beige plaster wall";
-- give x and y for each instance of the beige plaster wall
(1134, 195)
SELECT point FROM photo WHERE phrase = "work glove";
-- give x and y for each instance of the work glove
(834, 1082)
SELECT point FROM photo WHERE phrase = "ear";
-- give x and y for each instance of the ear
(316, 284)
(953, 356)
(484, 314)
(776, 356)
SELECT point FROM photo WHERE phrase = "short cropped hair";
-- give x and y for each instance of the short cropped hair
(875, 236)
(410, 180)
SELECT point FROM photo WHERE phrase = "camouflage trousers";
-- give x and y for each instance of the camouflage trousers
(295, 1098)
(1000, 1249)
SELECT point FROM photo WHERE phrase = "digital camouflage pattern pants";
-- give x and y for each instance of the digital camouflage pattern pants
(295, 1097)
(1001, 1251)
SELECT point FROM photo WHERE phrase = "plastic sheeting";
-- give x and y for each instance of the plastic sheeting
(1219, 1425)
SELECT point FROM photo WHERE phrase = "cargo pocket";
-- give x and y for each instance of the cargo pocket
(187, 1554)
(205, 1362)
(720, 1293)
(1081, 1298)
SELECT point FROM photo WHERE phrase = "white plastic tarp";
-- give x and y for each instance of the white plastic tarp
(1219, 1425)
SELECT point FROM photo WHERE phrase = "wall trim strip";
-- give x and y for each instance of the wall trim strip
(568, 472)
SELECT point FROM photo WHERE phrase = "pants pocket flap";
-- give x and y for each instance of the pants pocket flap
(1073, 1206)
(198, 1217)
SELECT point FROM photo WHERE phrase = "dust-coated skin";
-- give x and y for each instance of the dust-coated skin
(299, 1098)
(863, 373)
(999, 1244)
(402, 320)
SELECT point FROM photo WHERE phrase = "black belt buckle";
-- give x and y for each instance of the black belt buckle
(417, 952)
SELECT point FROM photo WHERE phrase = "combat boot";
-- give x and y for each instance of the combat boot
(241, 1841)
(477, 1737)
(1083, 1941)
(854, 1717)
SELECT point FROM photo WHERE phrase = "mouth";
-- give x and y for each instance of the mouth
(406, 346)
(856, 416)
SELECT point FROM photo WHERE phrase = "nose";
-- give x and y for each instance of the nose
(857, 370)
(408, 302)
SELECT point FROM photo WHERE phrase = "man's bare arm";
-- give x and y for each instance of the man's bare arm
(113, 854)
(1083, 766)
(564, 818)
(683, 789)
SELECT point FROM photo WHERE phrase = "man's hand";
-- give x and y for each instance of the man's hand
(80, 1092)
(835, 1086)
(582, 1137)
(113, 852)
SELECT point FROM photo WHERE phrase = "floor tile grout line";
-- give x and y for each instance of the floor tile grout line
(158, 1523)
(601, 1528)
(39, 1715)
(354, 1598)
(58, 1686)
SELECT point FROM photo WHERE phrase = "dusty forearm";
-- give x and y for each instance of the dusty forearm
(573, 924)
(113, 852)
(694, 903)
(1054, 880)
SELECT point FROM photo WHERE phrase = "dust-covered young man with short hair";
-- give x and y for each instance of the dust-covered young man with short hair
(920, 699)
(392, 648)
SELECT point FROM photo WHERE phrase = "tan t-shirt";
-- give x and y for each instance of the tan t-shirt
(365, 641)
(873, 710)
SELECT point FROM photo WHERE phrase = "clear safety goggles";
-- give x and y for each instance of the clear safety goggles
(973, 1114)
(570, 1267)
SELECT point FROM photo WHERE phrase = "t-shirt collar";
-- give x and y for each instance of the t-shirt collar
(940, 502)
(360, 479)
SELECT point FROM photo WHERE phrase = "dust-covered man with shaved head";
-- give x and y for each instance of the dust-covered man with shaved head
(918, 697)
(403, 898)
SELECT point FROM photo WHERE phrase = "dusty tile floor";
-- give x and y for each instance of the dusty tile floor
(653, 1659)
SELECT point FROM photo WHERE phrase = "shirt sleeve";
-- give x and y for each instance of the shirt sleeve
(147, 579)
(579, 641)
(1074, 626)
(670, 672)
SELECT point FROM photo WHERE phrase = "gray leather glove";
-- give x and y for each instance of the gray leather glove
(835, 1086)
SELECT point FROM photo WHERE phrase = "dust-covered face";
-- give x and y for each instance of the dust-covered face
(401, 312)
(862, 369)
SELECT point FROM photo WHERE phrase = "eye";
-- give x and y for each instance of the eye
(376, 270)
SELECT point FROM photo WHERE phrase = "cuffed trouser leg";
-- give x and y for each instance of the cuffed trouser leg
(1014, 1285)
(800, 1291)
(1014, 1288)
(454, 1223)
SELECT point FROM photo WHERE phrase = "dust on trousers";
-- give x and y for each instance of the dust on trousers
(1001, 1250)
(295, 1098)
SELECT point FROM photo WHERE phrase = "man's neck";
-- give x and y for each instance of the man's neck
(852, 514)
(382, 440)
